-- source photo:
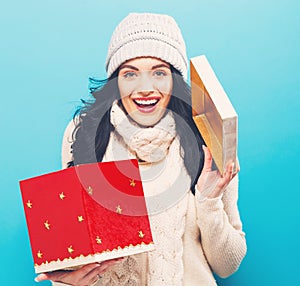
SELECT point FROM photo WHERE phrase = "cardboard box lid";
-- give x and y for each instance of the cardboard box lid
(213, 113)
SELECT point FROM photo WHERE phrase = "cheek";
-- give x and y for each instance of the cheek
(124, 93)
(165, 86)
(125, 88)
(170, 91)
(127, 104)
(165, 101)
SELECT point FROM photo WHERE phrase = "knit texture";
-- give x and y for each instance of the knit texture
(210, 230)
(147, 35)
(165, 263)
(149, 144)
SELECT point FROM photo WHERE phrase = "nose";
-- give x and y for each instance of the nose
(145, 93)
(146, 87)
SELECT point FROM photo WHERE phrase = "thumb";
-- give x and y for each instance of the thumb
(55, 275)
(41, 277)
(207, 159)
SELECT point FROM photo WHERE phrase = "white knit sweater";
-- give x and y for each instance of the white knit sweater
(193, 238)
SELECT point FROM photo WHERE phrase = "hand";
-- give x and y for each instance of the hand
(86, 275)
(210, 183)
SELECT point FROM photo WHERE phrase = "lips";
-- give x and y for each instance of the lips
(146, 105)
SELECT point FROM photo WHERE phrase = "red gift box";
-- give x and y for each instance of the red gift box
(86, 213)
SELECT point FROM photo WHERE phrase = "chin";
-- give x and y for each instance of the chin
(147, 119)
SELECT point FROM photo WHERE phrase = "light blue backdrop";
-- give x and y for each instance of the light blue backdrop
(49, 48)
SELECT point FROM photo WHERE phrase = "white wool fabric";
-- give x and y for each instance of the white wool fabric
(150, 144)
(194, 237)
(160, 170)
(147, 35)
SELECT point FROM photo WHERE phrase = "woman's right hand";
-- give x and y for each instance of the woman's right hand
(212, 184)
(86, 275)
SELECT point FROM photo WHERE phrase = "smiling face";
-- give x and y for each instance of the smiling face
(145, 86)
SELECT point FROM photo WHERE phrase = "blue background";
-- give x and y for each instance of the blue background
(48, 50)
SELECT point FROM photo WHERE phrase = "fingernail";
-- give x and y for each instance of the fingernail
(203, 147)
(40, 277)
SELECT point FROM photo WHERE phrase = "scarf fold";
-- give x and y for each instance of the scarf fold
(150, 144)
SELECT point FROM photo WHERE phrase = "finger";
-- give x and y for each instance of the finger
(57, 276)
(100, 269)
(41, 277)
(207, 159)
(94, 281)
(94, 275)
(238, 167)
(226, 178)
(229, 172)
(67, 276)
(54, 276)
(106, 265)
(47, 276)
(91, 279)
(82, 276)
(84, 270)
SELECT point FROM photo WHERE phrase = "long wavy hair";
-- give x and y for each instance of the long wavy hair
(93, 128)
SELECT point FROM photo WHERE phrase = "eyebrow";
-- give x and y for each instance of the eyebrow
(129, 67)
(153, 67)
(161, 66)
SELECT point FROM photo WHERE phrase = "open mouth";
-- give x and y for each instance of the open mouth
(147, 104)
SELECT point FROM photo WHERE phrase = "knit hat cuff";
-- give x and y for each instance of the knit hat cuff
(145, 48)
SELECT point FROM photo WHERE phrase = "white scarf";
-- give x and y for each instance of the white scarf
(166, 184)
(150, 144)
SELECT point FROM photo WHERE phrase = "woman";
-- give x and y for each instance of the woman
(143, 111)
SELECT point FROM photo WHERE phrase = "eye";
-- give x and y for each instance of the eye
(129, 75)
(159, 73)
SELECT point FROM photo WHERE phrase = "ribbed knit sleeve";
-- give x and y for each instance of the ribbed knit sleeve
(222, 238)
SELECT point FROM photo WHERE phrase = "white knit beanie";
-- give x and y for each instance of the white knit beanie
(145, 34)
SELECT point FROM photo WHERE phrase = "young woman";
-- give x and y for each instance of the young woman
(143, 111)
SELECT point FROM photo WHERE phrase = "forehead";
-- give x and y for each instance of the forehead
(145, 62)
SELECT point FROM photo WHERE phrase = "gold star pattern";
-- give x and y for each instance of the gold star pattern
(47, 225)
(132, 183)
(90, 190)
(70, 249)
(62, 196)
(118, 209)
(29, 204)
(141, 234)
(39, 254)
(98, 240)
(80, 218)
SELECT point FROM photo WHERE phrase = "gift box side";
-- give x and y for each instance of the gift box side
(116, 209)
(214, 89)
(114, 234)
(68, 225)
(55, 219)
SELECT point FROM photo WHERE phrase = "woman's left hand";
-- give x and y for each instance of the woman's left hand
(212, 184)
(88, 274)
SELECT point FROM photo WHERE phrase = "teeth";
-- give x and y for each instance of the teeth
(146, 102)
